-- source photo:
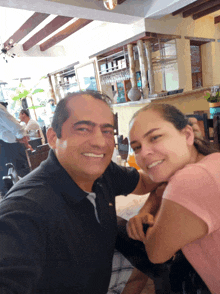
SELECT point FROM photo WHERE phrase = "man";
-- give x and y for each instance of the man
(52, 105)
(13, 141)
(58, 224)
(32, 127)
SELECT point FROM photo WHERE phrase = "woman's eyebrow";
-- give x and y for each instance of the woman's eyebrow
(149, 132)
(145, 135)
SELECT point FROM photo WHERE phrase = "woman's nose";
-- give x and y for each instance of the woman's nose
(145, 150)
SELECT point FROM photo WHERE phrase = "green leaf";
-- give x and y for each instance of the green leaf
(25, 93)
(16, 98)
(36, 106)
(207, 96)
(37, 91)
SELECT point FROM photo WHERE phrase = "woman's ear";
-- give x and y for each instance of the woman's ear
(188, 132)
(51, 138)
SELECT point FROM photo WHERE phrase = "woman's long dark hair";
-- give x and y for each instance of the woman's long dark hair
(173, 115)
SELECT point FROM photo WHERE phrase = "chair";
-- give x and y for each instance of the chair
(210, 127)
(201, 123)
(11, 178)
(35, 142)
(123, 147)
(44, 131)
(37, 156)
(116, 126)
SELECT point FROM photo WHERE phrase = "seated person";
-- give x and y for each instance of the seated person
(186, 216)
(32, 127)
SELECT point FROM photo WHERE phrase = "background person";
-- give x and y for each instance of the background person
(187, 217)
(13, 142)
(32, 127)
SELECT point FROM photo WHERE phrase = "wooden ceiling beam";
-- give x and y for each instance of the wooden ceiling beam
(77, 25)
(206, 12)
(190, 6)
(27, 27)
(51, 27)
(201, 8)
(217, 19)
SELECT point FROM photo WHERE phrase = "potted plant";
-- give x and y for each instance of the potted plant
(21, 93)
(214, 102)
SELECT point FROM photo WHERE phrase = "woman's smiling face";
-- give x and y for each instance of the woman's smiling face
(160, 149)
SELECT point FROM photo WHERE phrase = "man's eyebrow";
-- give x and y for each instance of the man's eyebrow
(107, 126)
(146, 134)
(84, 122)
(90, 123)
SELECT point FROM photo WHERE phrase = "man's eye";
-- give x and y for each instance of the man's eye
(82, 129)
(110, 132)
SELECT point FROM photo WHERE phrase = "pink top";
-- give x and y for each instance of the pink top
(197, 188)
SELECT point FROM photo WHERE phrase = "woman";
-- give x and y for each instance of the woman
(188, 217)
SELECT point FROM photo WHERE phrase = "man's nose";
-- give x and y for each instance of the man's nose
(98, 138)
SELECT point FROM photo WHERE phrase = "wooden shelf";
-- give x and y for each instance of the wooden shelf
(114, 69)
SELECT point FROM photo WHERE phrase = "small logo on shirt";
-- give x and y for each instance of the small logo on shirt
(110, 204)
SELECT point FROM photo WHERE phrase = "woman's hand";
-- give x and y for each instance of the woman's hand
(146, 215)
(135, 225)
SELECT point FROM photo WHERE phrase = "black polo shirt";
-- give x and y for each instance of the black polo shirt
(51, 241)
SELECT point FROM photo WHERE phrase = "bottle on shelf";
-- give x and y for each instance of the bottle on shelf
(131, 159)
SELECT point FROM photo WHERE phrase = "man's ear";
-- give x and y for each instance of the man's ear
(188, 132)
(51, 138)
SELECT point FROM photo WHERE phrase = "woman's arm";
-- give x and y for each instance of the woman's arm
(146, 214)
(175, 226)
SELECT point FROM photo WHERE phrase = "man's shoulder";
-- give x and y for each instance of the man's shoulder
(32, 191)
(32, 123)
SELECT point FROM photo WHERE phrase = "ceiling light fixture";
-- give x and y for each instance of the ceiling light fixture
(110, 4)
(4, 50)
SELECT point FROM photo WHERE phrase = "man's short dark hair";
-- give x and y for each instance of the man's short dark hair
(51, 100)
(62, 112)
(5, 104)
(25, 111)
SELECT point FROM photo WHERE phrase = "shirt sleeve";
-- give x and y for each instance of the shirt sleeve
(22, 245)
(196, 189)
(123, 179)
(10, 128)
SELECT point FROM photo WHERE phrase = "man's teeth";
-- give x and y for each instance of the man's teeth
(154, 163)
(94, 155)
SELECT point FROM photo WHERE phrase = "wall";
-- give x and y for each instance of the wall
(186, 102)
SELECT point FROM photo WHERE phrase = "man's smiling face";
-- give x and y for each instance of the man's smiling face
(87, 140)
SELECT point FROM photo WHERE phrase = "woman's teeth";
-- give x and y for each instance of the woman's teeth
(154, 164)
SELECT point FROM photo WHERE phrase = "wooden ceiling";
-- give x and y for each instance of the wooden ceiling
(50, 28)
(199, 9)
(196, 10)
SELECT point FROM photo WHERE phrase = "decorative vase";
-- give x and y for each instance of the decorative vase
(214, 108)
(134, 94)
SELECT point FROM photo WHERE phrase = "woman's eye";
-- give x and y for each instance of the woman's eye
(155, 137)
(136, 148)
